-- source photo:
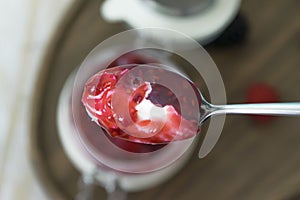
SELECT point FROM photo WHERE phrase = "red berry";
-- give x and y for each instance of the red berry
(262, 93)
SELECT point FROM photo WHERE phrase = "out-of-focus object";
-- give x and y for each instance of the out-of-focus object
(261, 92)
(204, 20)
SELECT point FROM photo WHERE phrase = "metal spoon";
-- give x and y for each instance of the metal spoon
(182, 87)
(208, 110)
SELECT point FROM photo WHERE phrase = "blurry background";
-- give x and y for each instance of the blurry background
(252, 160)
(25, 28)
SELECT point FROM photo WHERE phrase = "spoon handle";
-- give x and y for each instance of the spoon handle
(287, 109)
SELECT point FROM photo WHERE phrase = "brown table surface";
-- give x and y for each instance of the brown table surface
(250, 161)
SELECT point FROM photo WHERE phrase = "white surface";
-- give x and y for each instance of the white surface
(26, 27)
(203, 27)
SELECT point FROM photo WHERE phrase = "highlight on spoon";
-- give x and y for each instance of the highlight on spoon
(146, 104)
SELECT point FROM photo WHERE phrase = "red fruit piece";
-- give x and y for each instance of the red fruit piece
(97, 96)
(97, 99)
(262, 93)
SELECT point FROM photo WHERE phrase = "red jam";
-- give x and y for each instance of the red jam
(168, 123)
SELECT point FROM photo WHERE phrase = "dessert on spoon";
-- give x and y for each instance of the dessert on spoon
(151, 104)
